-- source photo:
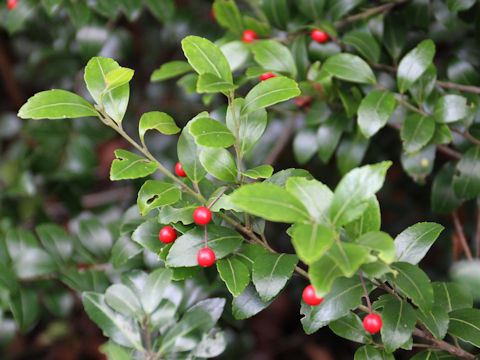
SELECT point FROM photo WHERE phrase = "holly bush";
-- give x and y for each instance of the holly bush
(155, 280)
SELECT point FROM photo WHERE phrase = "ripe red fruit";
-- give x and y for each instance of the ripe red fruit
(202, 215)
(206, 257)
(310, 296)
(179, 170)
(319, 36)
(212, 14)
(372, 323)
(11, 4)
(167, 235)
(266, 76)
(249, 36)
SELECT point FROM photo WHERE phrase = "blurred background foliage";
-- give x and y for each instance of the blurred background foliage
(58, 171)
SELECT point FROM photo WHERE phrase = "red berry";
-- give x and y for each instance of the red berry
(212, 14)
(266, 76)
(202, 215)
(167, 235)
(11, 4)
(310, 296)
(206, 257)
(372, 323)
(179, 170)
(319, 36)
(249, 36)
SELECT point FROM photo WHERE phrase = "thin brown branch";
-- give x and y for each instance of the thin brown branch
(365, 291)
(461, 235)
(453, 86)
(466, 135)
(442, 345)
(449, 151)
(282, 142)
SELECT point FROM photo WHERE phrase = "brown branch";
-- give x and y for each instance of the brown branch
(461, 235)
(449, 151)
(466, 135)
(453, 86)
(442, 345)
(282, 142)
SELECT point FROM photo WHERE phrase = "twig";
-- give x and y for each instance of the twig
(461, 235)
(277, 150)
(365, 291)
(219, 195)
(449, 151)
(206, 237)
(466, 135)
(453, 86)
(442, 345)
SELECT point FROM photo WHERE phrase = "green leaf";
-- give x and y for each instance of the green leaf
(276, 12)
(270, 92)
(228, 15)
(221, 240)
(183, 213)
(120, 298)
(466, 273)
(349, 67)
(188, 151)
(56, 104)
(466, 181)
(115, 352)
(211, 133)
(270, 202)
(154, 194)
(353, 191)
(423, 87)
(7, 278)
(338, 8)
(219, 163)
(436, 321)
(328, 135)
(95, 237)
(170, 70)
(460, 5)
(413, 283)
(116, 78)
(374, 111)
(419, 165)
(79, 13)
(450, 108)
(350, 327)
(249, 252)
(147, 235)
(452, 296)
(398, 319)
(128, 165)
(56, 241)
(428, 355)
(205, 57)
(414, 64)
(272, 55)
(348, 256)
(351, 151)
(345, 294)
(414, 242)
(394, 35)
(367, 352)
(162, 9)
(156, 120)
(304, 145)
(234, 273)
(154, 289)
(280, 178)
(209, 83)
(417, 130)
(370, 220)
(250, 126)
(311, 241)
(119, 329)
(259, 172)
(365, 44)
(271, 273)
(300, 54)
(312, 9)
(85, 279)
(322, 273)
(465, 324)
(25, 309)
(248, 304)
(381, 243)
(115, 101)
(124, 250)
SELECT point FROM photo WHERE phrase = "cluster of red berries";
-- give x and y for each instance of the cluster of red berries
(202, 216)
(11, 4)
(371, 323)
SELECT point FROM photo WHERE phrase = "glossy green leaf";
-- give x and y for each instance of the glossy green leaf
(56, 241)
(205, 57)
(85, 280)
(154, 194)
(7, 278)
(460, 5)
(338, 8)
(183, 212)
(311, 241)
(156, 120)
(345, 294)
(162, 9)
(211, 133)
(427, 355)
(115, 352)
(276, 12)
(271, 273)
(116, 78)
(128, 165)
(450, 108)
(188, 151)
(351, 327)
(365, 44)
(269, 92)
(154, 289)
(436, 321)
(414, 242)
(56, 104)
(270, 202)
(419, 165)
(25, 308)
(417, 130)
(312, 9)
(353, 191)
(95, 237)
(452, 296)
(348, 256)
(462, 72)
(466, 181)
(234, 273)
(349, 67)
(328, 135)
(370, 220)
(119, 329)
(228, 15)
(146, 234)
(221, 240)
(259, 172)
(465, 324)
(466, 273)
(423, 87)
(394, 35)
(414, 64)
(300, 55)
(124, 250)
(210, 83)
(379, 242)
(351, 151)
(248, 304)
(323, 273)
(367, 352)
(237, 53)
(170, 70)
(412, 282)
(280, 178)
(398, 319)
(304, 145)
(120, 298)
(374, 111)
(219, 163)
(272, 55)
